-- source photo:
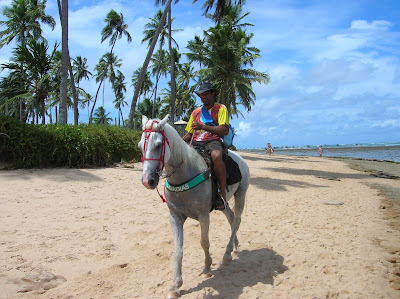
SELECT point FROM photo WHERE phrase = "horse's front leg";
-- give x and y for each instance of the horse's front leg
(205, 244)
(177, 222)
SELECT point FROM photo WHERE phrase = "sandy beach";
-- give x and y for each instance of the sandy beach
(312, 228)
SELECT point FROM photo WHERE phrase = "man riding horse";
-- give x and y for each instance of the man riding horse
(208, 134)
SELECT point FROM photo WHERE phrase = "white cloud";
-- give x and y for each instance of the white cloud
(394, 123)
(374, 25)
(244, 129)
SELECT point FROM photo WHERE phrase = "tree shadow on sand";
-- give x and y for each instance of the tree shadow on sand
(247, 269)
(318, 173)
(279, 184)
(270, 158)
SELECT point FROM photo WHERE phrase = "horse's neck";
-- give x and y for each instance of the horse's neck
(184, 162)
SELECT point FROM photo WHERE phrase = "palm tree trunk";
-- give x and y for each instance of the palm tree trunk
(172, 119)
(122, 116)
(153, 112)
(71, 74)
(74, 93)
(103, 94)
(43, 108)
(94, 104)
(64, 63)
(146, 63)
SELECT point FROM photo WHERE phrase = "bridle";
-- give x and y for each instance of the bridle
(165, 141)
(161, 162)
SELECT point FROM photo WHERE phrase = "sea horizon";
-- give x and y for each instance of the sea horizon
(382, 151)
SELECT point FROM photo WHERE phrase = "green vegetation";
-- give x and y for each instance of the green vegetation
(35, 88)
(28, 146)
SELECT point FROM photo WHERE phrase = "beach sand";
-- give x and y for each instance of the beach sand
(312, 228)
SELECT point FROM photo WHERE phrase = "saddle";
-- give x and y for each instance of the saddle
(233, 174)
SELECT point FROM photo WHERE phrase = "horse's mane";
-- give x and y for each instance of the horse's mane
(181, 151)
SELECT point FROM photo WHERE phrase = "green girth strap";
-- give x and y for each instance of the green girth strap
(190, 184)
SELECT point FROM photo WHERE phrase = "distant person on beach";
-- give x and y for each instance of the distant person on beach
(269, 149)
(320, 151)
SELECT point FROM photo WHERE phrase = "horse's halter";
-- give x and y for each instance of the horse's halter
(160, 160)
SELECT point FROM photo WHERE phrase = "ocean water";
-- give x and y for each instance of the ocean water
(369, 151)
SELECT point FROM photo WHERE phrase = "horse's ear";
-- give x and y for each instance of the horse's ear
(144, 121)
(164, 121)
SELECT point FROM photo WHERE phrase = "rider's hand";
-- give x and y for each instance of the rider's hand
(197, 126)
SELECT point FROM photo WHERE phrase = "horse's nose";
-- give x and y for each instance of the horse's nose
(149, 183)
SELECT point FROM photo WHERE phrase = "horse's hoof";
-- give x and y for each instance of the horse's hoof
(206, 274)
(173, 295)
(226, 261)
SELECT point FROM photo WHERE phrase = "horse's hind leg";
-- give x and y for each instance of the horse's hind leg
(235, 223)
(205, 243)
(229, 215)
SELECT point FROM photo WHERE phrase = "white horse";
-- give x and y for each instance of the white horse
(161, 147)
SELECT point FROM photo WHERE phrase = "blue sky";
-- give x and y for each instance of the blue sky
(334, 65)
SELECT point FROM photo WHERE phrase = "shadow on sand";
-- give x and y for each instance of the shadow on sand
(272, 158)
(249, 268)
(279, 184)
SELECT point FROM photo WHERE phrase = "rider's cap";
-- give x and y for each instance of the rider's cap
(203, 87)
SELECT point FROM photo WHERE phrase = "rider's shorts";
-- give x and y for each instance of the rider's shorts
(212, 145)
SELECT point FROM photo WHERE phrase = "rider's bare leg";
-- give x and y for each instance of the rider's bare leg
(220, 171)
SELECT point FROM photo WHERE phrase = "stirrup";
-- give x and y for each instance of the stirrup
(223, 199)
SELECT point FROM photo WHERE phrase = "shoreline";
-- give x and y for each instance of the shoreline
(391, 201)
(312, 227)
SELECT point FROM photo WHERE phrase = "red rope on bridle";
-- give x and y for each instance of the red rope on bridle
(160, 160)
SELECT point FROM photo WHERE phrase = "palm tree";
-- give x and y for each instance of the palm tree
(185, 101)
(147, 83)
(105, 69)
(22, 23)
(220, 7)
(146, 63)
(165, 33)
(87, 98)
(81, 71)
(12, 89)
(226, 58)
(185, 74)
(115, 28)
(208, 5)
(196, 46)
(146, 108)
(101, 116)
(64, 62)
(145, 87)
(119, 87)
(159, 67)
(36, 64)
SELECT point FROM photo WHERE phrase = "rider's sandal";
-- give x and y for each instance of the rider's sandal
(220, 204)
